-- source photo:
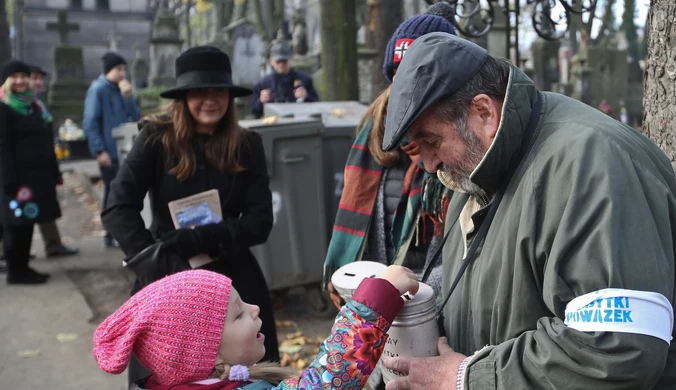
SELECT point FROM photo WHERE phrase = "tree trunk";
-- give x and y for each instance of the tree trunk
(5, 46)
(384, 17)
(659, 118)
(339, 49)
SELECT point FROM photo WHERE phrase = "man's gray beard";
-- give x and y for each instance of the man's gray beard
(458, 178)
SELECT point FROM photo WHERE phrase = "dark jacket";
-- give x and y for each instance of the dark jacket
(591, 207)
(282, 87)
(246, 202)
(106, 109)
(27, 159)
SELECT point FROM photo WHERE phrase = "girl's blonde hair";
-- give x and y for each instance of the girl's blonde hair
(377, 112)
(269, 372)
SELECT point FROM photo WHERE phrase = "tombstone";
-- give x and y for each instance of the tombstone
(245, 47)
(600, 74)
(165, 47)
(299, 35)
(634, 102)
(139, 70)
(545, 63)
(67, 88)
(113, 37)
(496, 39)
(245, 52)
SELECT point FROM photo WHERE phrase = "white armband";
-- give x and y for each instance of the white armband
(620, 310)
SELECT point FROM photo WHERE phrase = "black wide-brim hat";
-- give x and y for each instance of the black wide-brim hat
(203, 67)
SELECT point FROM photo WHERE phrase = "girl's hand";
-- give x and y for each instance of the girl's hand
(402, 278)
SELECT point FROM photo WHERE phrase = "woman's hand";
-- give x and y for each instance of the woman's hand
(402, 278)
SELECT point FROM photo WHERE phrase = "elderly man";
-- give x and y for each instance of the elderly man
(572, 286)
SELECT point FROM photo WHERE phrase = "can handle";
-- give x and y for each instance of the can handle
(291, 159)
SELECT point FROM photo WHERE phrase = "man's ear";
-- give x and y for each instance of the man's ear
(485, 114)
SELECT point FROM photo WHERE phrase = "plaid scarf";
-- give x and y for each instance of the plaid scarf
(423, 198)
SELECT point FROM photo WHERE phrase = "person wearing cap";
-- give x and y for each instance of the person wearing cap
(396, 216)
(54, 247)
(29, 172)
(284, 84)
(558, 270)
(194, 146)
(108, 104)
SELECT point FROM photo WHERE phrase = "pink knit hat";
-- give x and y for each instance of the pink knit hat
(173, 326)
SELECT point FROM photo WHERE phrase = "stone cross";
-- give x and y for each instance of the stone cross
(63, 27)
(113, 38)
(137, 49)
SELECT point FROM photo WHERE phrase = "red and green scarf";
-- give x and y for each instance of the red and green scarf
(423, 198)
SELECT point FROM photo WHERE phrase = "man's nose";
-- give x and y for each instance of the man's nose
(430, 160)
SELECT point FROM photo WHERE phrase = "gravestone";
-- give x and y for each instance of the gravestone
(113, 37)
(634, 102)
(165, 47)
(245, 54)
(545, 63)
(600, 74)
(139, 69)
(67, 88)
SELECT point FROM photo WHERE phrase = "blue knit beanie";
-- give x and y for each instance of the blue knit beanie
(412, 28)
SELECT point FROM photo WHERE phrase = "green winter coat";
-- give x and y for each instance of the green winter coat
(591, 206)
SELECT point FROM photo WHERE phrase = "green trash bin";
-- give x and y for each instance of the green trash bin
(339, 123)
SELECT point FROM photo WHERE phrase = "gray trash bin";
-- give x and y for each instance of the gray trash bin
(294, 253)
(338, 133)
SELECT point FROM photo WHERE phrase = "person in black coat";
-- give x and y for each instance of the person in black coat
(284, 84)
(193, 147)
(29, 172)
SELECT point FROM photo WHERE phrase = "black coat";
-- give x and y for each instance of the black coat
(245, 196)
(282, 87)
(27, 159)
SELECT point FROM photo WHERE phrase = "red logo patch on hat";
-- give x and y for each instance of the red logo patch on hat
(400, 48)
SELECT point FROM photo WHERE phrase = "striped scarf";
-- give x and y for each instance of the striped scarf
(423, 198)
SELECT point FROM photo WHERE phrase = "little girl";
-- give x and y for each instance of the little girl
(192, 331)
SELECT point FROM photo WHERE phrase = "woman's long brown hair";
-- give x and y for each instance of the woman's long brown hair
(222, 149)
(377, 112)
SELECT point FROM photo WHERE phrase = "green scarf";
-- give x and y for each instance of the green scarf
(423, 199)
(25, 103)
(21, 102)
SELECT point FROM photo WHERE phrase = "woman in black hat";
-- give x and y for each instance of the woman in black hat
(28, 171)
(194, 146)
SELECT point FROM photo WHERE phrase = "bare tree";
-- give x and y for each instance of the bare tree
(384, 16)
(339, 49)
(5, 45)
(659, 118)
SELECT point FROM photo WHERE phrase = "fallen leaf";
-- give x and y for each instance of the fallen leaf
(300, 340)
(67, 337)
(285, 324)
(290, 349)
(285, 360)
(29, 353)
(291, 336)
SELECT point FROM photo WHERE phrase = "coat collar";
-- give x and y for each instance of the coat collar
(516, 110)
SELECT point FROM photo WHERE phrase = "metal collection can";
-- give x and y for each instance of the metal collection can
(414, 331)
(347, 278)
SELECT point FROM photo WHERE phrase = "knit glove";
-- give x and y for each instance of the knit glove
(183, 242)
